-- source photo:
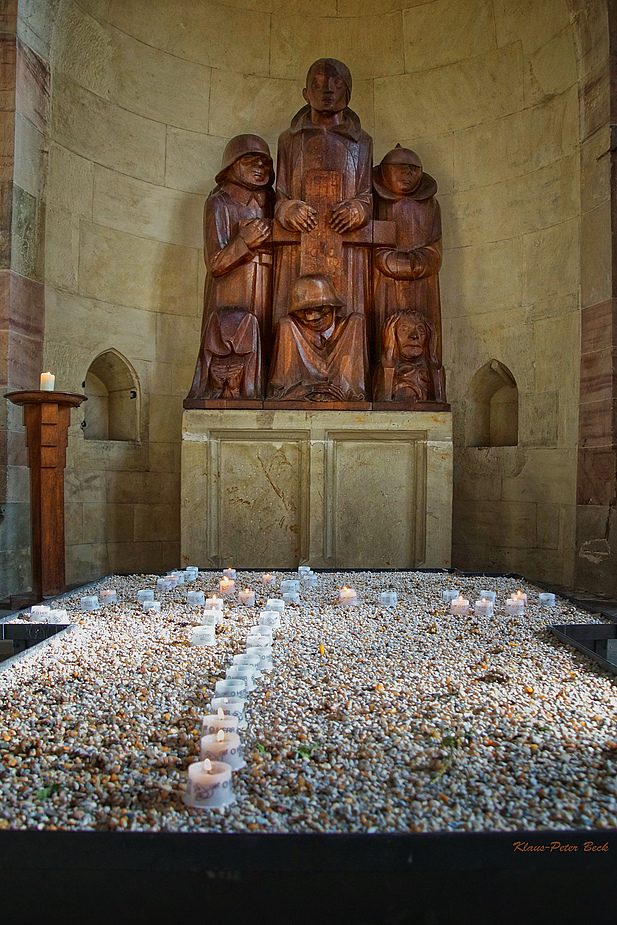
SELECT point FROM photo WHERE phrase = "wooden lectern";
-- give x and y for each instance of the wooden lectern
(47, 416)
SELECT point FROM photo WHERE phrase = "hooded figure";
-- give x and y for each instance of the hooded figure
(232, 355)
(319, 355)
(324, 149)
(238, 255)
(406, 278)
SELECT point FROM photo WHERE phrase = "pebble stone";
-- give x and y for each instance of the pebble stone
(373, 719)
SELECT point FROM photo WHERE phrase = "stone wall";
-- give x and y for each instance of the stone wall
(144, 97)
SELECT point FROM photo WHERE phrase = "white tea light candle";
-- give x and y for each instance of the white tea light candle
(449, 595)
(290, 584)
(214, 603)
(227, 586)
(270, 618)
(151, 606)
(264, 654)
(483, 608)
(388, 598)
(519, 596)
(108, 597)
(90, 602)
(229, 572)
(203, 636)
(224, 746)
(214, 722)
(195, 598)
(244, 673)
(515, 608)
(230, 687)
(291, 597)
(488, 595)
(209, 785)
(231, 706)
(164, 584)
(267, 579)
(347, 597)
(547, 599)
(246, 597)
(144, 594)
(459, 606)
(58, 616)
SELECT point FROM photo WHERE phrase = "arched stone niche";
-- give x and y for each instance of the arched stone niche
(113, 391)
(491, 414)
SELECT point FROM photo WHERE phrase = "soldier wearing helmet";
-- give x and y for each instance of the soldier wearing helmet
(319, 354)
(238, 255)
(406, 277)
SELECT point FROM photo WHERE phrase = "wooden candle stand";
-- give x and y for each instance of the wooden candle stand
(47, 416)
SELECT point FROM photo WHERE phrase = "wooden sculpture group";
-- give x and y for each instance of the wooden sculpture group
(323, 287)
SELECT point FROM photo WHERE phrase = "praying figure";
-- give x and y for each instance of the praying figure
(406, 277)
(231, 358)
(409, 370)
(323, 191)
(319, 355)
(237, 245)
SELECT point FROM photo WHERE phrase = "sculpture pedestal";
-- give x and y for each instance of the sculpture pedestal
(47, 415)
(336, 489)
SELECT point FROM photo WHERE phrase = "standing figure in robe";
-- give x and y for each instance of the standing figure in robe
(237, 248)
(323, 190)
(406, 278)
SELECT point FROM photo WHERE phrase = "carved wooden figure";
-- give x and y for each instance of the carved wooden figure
(237, 245)
(319, 356)
(323, 191)
(409, 370)
(232, 356)
(406, 276)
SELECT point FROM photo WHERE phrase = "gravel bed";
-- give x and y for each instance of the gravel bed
(373, 719)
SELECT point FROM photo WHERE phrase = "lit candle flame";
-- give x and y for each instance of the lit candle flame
(225, 699)
(207, 765)
(461, 598)
(484, 600)
(220, 736)
(220, 713)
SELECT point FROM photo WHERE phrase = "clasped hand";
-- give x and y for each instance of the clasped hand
(254, 231)
(345, 216)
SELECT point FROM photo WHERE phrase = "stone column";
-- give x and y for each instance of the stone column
(596, 540)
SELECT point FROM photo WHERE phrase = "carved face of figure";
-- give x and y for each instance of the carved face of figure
(326, 91)
(251, 170)
(402, 179)
(318, 319)
(411, 337)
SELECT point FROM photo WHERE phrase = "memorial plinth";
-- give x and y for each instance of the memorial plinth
(339, 489)
(47, 416)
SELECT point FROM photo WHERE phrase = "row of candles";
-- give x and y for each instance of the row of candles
(209, 784)
(514, 606)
